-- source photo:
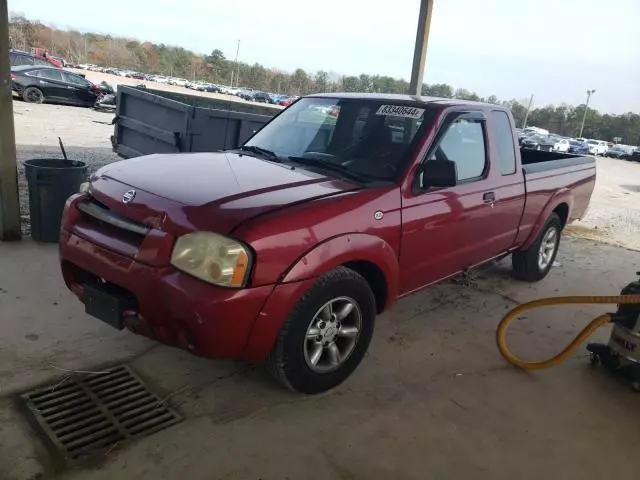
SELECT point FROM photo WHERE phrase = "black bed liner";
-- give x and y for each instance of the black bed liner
(534, 161)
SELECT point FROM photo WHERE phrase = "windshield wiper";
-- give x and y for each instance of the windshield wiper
(268, 154)
(336, 167)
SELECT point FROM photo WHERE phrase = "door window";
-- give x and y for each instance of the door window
(40, 61)
(463, 143)
(76, 80)
(50, 74)
(19, 59)
(503, 134)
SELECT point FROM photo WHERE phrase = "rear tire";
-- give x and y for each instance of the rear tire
(534, 263)
(33, 95)
(292, 360)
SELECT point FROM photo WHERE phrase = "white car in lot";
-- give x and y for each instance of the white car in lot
(561, 144)
(597, 147)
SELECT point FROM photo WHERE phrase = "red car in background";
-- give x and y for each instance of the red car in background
(18, 58)
(285, 102)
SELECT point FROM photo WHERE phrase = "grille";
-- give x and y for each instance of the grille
(88, 414)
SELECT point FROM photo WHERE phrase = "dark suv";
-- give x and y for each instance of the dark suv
(17, 58)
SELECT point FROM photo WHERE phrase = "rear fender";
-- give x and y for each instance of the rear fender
(347, 248)
(563, 195)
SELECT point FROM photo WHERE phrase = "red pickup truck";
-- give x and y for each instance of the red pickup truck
(286, 249)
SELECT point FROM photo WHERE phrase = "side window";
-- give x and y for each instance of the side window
(39, 61)
(463, 143)
(74, 79)
(23, 60)
(503, 134)
(13, 59)
(50, 74)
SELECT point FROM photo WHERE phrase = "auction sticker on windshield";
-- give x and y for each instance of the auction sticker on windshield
(400, 111)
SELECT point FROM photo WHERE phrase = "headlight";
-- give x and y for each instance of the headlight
(213, 258)
(85, 187)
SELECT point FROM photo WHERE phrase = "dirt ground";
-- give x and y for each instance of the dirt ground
(432, 399)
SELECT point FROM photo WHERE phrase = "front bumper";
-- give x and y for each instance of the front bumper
(173, 308)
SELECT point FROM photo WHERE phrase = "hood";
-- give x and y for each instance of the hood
(208, 191)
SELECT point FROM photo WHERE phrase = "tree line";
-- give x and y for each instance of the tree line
(152, 58)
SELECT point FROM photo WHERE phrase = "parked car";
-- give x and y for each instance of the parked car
(48, 84)
(137, 75)
(246, 95)
(287, 248)
(211, 88)
(578, 147)
(617, 152)
(275, 98)
(18, 58)
(534, 130)
(285, 102)
(538, 142)
(261, 97)
(597, 147)
(635, 155)
(561, 144)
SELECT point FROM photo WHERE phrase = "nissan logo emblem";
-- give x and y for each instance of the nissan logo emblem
(128, 196)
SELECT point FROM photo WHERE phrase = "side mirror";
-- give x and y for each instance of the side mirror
(438, 173)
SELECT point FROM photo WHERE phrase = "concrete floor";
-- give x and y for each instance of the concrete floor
(432, 399)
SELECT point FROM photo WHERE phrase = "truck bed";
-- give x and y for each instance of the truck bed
(548, 174)
(534, 161)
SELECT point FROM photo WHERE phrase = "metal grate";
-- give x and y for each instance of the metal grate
(83, 415)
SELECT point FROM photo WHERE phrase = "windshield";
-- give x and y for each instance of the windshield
(592, 142)
(370, 138)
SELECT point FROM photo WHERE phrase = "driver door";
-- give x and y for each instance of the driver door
(443, 228)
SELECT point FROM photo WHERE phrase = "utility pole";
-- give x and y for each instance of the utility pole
(9, 200)
(237, 66)
(586, 109)
(420, 52)
(526, 115)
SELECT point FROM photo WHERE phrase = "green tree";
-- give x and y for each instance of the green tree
(321, 81)
(441, 90)
(350, 84)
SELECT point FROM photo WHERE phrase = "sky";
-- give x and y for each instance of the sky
(553, 49)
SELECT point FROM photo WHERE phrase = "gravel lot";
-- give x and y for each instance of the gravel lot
(613, 216)
(114, 80)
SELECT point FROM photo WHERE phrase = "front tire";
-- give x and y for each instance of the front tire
(33, 95)
(326, 334)
(534, 263)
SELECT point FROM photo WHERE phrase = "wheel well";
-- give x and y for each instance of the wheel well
(563, 212)
(374, 277)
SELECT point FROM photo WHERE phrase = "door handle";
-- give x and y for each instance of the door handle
(489, 197)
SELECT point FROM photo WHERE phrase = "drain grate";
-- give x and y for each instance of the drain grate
(87, 414)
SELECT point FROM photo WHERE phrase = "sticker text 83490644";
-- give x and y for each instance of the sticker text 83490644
(400, 111)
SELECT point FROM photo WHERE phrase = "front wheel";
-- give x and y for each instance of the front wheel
(326, 334)
(534, 263)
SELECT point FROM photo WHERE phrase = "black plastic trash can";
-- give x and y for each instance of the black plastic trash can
(51, 182)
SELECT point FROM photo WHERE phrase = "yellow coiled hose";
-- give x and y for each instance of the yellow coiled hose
(501, 333)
